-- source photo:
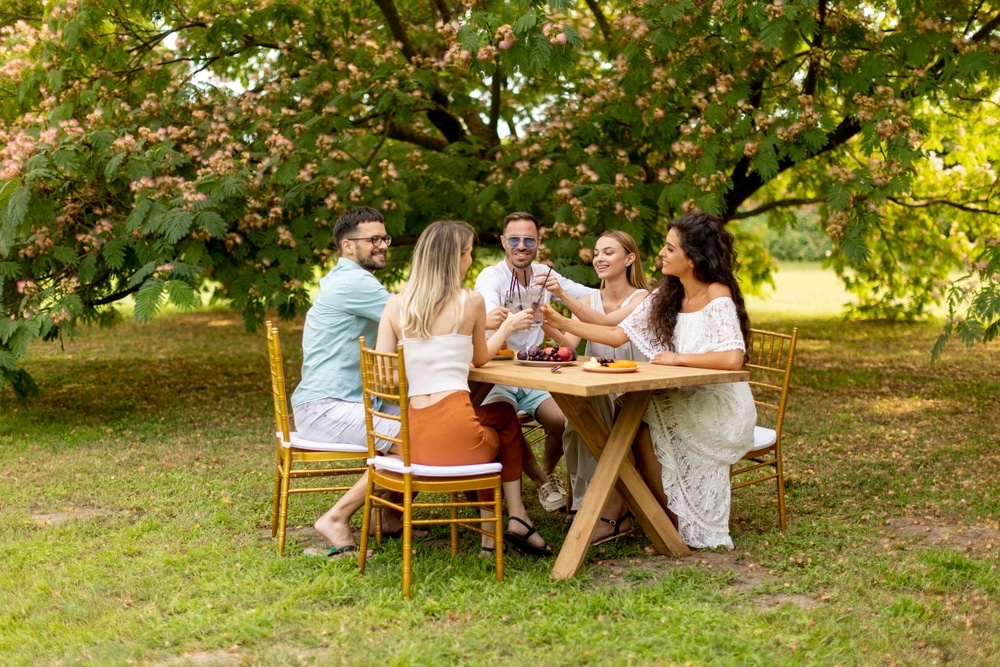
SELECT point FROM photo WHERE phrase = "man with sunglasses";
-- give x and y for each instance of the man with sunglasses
(328, 403)
(520, 243)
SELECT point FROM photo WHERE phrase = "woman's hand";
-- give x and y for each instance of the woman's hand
(553, 318)
(495, 318)
(518, 321)
(665, 358)
(551, 283)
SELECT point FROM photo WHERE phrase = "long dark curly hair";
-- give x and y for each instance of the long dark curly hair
(707, 243)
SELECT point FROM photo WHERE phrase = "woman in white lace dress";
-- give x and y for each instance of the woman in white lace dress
(695, 317)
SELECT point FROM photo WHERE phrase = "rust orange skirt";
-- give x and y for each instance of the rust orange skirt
(452, 432)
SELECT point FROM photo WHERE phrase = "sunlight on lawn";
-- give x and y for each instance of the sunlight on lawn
(806, 289)
(801, 289)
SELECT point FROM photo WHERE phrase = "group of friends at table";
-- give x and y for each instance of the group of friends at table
(694, 316)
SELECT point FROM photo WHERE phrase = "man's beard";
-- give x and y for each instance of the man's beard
(372, 262)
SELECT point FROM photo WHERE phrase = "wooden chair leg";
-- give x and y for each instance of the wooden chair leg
(277, 498)
(286, 481)
(366, 522)
(498, 530)
(453, 512)
(407, 542)
(781, 494)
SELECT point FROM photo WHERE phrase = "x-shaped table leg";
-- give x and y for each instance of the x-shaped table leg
(614, 470)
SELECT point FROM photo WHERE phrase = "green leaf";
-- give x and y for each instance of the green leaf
(140, 275)
(148, 300)
(114, 165)
(212, 222)
(113, 252)
(86, 269)
(7, 329)
(17, 206)
(140, 211)
(182, 294)
(176, 224)
(525, 23)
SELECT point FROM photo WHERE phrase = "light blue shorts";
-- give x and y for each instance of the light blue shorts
(525, 400)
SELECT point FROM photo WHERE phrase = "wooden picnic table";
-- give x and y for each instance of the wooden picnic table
(571, 387)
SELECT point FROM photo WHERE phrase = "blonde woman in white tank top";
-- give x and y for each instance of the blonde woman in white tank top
(623, 288)
(442, 328)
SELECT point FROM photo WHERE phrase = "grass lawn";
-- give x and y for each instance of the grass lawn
(134, 523)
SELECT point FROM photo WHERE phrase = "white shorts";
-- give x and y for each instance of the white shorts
(335, 420)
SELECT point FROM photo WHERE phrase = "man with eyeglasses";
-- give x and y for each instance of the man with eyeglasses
(328, 403)
(520, 243)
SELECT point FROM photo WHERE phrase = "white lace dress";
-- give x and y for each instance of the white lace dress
(698, 432)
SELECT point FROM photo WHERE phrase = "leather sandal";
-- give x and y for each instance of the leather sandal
(616, 525)
(523, 542)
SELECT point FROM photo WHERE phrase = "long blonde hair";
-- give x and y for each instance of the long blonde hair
(435, 275)
(633, 272)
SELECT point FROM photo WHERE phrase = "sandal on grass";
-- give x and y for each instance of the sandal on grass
(334, 552)
(523, 542)
(616, 526)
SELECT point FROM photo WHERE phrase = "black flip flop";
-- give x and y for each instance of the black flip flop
(522, 542)
(333, 553)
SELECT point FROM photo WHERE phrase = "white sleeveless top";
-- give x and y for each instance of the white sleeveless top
(438, 363)
(627, 350)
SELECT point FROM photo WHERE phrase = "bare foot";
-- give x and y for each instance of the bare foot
(392, 526)
(337, 533)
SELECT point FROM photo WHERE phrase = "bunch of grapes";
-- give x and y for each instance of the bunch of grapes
(604, 361)
(547, 353)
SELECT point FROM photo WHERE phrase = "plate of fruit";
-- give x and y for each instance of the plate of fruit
(546, 355)
(605, 365)
(504, 353)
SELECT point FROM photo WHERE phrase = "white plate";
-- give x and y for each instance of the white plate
(545, 363)
(605, 369)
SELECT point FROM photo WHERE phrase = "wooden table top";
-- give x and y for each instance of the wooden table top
(575, 381)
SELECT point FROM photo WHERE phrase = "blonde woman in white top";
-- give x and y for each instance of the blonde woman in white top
(623, 288)
(443, 329)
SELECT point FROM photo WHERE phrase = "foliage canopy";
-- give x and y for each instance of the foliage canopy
(152, 148)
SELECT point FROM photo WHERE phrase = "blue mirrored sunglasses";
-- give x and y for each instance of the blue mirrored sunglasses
(528, 242)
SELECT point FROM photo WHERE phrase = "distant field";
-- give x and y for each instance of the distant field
(801, 288)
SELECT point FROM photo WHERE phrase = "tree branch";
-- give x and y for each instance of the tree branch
(395, 23)
(927, 203)
(602, 21)
(441, 117)
(812, 76)
(770, 206)
(746, 182)
(412, 136)
(496, 86)
(443, 10)
(111, 298)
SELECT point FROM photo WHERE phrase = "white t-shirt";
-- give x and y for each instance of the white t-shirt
(495, 281)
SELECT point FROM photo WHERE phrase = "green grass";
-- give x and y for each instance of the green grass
(134, 524)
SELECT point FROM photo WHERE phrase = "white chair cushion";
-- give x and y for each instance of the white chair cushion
(392, 464)
(298, 442)
(763, 438)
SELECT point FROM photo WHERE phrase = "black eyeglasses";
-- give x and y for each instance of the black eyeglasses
(528, 242)
(374, 240)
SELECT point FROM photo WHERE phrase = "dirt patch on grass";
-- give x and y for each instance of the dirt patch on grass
(230, 656)
(939, 532)
(745, 576)
(71, 514)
